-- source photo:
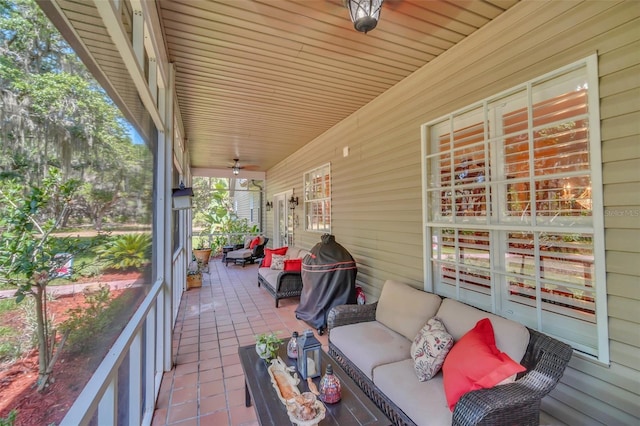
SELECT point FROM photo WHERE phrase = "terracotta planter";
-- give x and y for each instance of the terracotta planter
(194, 281)
(202, 255)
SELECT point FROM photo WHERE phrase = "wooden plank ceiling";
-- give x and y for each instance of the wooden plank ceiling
(258, 79)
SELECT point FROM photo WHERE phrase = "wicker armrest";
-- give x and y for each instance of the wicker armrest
(351, 314)
(519, 402)
(503, 404)
(289, 281)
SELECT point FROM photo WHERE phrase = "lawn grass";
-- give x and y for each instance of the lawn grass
(85, 264)
(8, 348)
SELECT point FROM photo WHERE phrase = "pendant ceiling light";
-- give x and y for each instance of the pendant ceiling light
(364, 13)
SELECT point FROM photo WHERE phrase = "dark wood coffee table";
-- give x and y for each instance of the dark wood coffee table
(354, 409)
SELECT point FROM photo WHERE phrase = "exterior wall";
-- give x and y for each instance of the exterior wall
(376, 190)
(243, 199)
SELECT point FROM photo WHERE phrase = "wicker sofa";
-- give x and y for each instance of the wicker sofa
(282, 284)
(372, 344)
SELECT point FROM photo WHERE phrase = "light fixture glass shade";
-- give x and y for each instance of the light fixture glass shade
(364, 14)
(181, 197)
(235, 170)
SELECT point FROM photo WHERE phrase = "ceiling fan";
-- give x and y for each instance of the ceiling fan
(237, 167)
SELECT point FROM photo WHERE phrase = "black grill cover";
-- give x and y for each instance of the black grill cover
(328, 280)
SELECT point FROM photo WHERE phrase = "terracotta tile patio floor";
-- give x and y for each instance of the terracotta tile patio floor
(206, 385)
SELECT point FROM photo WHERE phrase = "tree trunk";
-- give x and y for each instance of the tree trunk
(43, 343)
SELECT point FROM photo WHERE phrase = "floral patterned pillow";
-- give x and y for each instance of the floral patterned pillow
(429, 349)
(277, 261)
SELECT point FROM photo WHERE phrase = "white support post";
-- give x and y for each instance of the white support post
(151, 365)
(165, 103)
(107, 408)
(135, 379)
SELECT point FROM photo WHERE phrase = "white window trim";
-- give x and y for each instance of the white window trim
(308, 202)
(597, 224)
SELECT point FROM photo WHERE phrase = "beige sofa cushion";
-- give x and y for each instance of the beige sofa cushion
(240, 254)
(423, 402)
(370, 344)
(405, 309)
(296, 252)
(458, 318)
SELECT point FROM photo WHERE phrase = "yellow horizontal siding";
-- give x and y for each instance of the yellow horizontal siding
(623, 240)
(623, 194)
(624, 308)
(622, 171)
(620, 81)
(377, 195)
(623, 354)
(625, 378)
(619, 331)
(621, 149)
(623, 285)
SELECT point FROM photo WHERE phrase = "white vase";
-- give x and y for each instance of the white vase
(261, 350)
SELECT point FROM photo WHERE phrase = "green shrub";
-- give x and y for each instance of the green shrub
(95, 321)
(130, 251)
(10, 419)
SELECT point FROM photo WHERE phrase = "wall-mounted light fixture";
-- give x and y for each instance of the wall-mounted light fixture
(364, 13)
(182, 197)
(293, 202)
(268, 206)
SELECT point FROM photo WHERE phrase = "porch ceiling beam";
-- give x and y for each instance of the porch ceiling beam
(54, 13)
(109, 14)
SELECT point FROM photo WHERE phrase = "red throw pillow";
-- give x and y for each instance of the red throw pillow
(255, 242)
(266, 262)
(475, 362)
(293, 265)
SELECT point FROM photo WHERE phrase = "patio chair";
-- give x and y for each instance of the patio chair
(246, 255)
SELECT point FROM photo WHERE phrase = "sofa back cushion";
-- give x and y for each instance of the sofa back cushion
(268, 253)
(405, 309)
(512, 338)
(297, 253)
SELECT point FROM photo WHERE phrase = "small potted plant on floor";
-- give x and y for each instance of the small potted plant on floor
(267, 345)
(194, 276)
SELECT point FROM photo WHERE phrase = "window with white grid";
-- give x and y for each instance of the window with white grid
(317, 199)
(513, 196)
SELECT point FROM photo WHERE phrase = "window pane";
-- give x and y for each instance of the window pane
(561, 148)
(516, 156)
(502, 176)
(474, 248)
(317, 196)
(563, 197)
(471, 201)
(517, 201)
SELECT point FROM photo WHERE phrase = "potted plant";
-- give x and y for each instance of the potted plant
(267, 345)
(194, 276)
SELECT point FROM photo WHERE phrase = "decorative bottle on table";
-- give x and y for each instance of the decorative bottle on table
(292, 346)
(330, 389)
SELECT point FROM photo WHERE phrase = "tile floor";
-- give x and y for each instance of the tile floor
(206, 386)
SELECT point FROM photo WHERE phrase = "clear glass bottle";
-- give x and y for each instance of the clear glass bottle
(330, 388)
(292, 346)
